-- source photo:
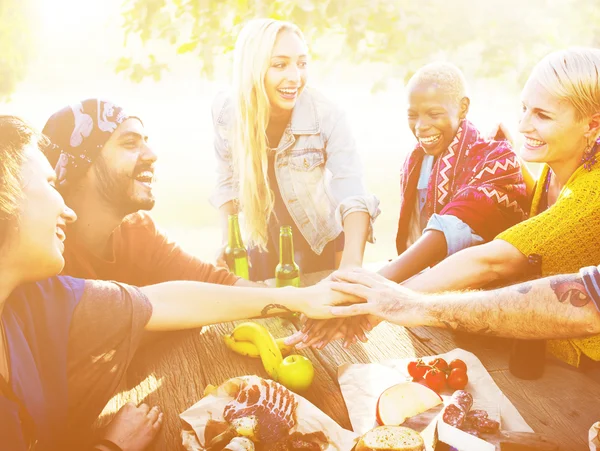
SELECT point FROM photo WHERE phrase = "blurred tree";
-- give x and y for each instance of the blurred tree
(15, 44)
(489, 38)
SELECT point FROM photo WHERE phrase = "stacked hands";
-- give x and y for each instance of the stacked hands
(361, 301)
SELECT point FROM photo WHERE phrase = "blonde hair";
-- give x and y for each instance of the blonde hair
(572, 75)
(251, 111)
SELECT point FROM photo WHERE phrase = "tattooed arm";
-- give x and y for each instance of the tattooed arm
(554, 307)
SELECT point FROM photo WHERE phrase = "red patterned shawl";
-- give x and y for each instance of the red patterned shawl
(478, 181)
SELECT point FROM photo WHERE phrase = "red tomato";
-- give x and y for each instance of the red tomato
(439, 363)
(458, 379)
(436, 379)
(457, 363)
(417, 369)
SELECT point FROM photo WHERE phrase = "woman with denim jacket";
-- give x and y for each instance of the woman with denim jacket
(286, 156)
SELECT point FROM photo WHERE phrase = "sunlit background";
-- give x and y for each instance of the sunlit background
(55, 52)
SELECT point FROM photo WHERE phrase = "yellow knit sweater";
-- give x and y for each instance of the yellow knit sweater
(567, 236)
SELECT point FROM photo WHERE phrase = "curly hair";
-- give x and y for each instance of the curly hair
(443, 75)
(15, 135)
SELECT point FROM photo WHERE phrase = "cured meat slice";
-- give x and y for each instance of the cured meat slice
(477, 413)
(463, 399)
(486, 425)
(455, 413)
(273, 405)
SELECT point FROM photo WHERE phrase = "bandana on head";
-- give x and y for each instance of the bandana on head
(78, 133)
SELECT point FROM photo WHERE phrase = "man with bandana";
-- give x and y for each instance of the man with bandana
(105, 168)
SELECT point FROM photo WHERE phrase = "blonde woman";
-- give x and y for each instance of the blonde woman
(286, 156)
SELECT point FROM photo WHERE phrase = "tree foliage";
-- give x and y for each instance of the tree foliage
(15, 44)
(489, 38)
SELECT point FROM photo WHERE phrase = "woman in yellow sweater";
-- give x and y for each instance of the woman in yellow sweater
(561, 125)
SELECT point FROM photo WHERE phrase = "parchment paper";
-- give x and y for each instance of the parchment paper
(593, 436)
(362, 384)
(211, 406)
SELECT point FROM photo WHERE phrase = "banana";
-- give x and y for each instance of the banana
(285, 349)
(245, 348)
(270, 353)
(249, 349)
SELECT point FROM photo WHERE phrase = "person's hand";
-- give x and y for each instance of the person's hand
(319, 333)
(315, 302)
(385, 300)
(134, 427)
(499, 132)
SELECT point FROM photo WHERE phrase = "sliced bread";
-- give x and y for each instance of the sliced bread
(391, 438)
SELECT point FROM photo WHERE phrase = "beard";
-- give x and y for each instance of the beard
(118, 189)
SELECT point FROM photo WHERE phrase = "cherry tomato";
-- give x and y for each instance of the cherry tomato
(417, 369)
(458, 379)
(457, 363)
(439, 363)
(436, 379)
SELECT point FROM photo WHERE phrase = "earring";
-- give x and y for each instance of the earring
(589, 155)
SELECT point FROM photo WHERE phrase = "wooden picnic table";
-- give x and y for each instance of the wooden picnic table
(173, 371)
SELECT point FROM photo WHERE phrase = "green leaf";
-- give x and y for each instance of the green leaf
(187, 47)
(123, 63)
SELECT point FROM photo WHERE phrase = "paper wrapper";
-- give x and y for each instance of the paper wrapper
(362, 384)
(310, 419)
(594, 437)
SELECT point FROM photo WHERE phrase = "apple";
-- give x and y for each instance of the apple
(405, 400)
(296, 372)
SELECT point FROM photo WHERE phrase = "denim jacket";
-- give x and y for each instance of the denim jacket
(317, 167)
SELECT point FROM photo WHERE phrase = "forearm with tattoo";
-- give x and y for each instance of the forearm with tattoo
(554, 307)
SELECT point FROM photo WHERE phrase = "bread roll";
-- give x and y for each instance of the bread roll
(391, 438)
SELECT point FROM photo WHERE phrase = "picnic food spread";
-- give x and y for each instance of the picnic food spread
(294, 372)
(261, 416)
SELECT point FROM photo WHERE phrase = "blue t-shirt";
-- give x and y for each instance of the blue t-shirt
(55, 331)
(36, 319)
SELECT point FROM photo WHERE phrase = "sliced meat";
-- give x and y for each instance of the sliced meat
(477, 413)
(463, 399)
(455, 413)
(486, 425)
(273, 405)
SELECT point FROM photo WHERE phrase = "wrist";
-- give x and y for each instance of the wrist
(350, 261)
(432, 310)
(288, 297)
(408, 308)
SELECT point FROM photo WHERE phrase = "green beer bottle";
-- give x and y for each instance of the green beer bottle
(236, 255)
(287, 273)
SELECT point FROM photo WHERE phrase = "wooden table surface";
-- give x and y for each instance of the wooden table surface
(174, 369)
